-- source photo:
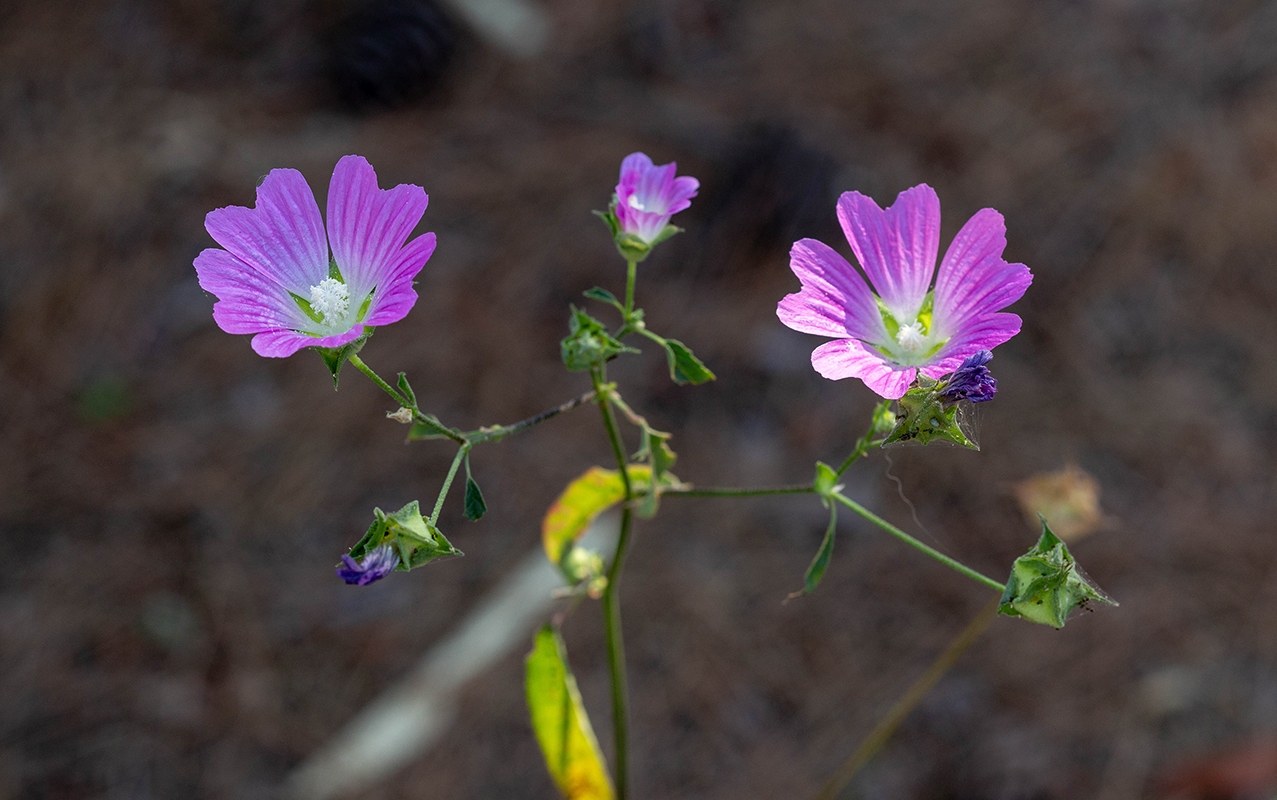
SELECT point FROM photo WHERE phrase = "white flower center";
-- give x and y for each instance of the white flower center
(635, 203)
(330, 299)
(911, 337)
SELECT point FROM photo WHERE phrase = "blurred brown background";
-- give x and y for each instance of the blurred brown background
(172, 505)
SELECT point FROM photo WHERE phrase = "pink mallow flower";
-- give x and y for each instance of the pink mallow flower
(903, 327)
(275, 278)
(648, 196)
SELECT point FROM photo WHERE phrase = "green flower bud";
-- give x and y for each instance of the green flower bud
(924, 414)
(412, 536)
(1046, 584)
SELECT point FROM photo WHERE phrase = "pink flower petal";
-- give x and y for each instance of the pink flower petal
(248, 301)
(282, 237)
(974, 280)
(283, 343)
(367, 226)
(682, 191)
(984, 333)
(850, 358)
(395, 295)
(897, 247)
(834, 300)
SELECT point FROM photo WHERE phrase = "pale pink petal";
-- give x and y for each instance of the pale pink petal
(834, 300)
(897, 247)
(974, 280)
(984, 333)
(368, 226)
(248, 302)
(683, 190)
(850, 358)
(633, 168)
(395, 296)
(283, 343)
(282, 237)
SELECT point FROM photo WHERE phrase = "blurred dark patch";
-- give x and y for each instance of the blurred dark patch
(390, 53)
(668, 39)
(771, 189)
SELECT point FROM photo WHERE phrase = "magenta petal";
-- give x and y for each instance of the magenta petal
(974, 280)
(395, 295)
(367, 225)
(850, 358)
(633, 168)
(834, 300)
(283, 343)
(682, 191)
(897, 247)
(248, 302)
(984, 333)
(282, 237)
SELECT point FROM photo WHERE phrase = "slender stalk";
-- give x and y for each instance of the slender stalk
(375, 378)
(887, 726)
(498, 432)
(738, 491)
(612, 601)
(912, 542)
(616, 656)
(630, 270)
(447, 482)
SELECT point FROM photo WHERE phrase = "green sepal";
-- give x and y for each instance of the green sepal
(334, 357)
(417, 541)
(884, 419)
(685, 367)
(589, 344)
(922, 417)
(820, 563)
(427, 426)
(1046, 584)
(474, 505)
(825, 481)
(406, 390)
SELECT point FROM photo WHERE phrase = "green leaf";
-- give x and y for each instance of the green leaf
(334, 357)
(666, 232)
(406, 390)
(684, 366)
(426, 426)
(589, 344)
(595, 491)
(475, 507)
(603, 295)
(820, 563)
(825, 480)
(560, 723)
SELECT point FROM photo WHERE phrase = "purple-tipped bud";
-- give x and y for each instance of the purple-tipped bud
(376, 565)
(971, 381)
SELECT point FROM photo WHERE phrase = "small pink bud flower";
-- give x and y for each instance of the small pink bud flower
(648, 196)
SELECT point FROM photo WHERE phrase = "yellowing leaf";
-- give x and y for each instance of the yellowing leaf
(559, 721)
(585, 498)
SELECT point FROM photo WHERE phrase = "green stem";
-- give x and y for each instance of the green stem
(867, 441)
(630, 271)
(616, 656)
(912, 542)
(612, 599)
(375, 378)
(447, 482)
(739, 491)
(914, 695)
(499, 432)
